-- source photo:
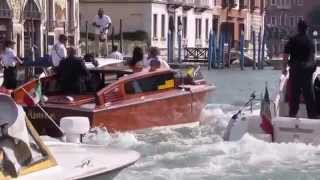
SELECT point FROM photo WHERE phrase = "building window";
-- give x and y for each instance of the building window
(198, 28)
(273, 2)
(292, 23)
(300, 18)
(185, 26)
(300, 2)
(280, 20)
(273, 20)
(207, 29)
(155, 23)
(163, 24)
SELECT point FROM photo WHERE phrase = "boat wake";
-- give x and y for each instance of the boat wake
(199, 152)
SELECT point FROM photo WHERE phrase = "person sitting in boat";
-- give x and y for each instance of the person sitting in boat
(115, 54)
(154, 53)
(136, 63)
(72, 74)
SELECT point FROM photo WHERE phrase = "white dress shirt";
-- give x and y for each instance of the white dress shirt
(58, 53)
(102, 22)
(116, 55)
(9, 58)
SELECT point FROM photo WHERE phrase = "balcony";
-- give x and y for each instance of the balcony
(188, 4)
(6, 13)
(202, 5)
(175, 3)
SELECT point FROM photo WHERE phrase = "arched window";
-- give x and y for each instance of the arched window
(5, 11)
(31, 10)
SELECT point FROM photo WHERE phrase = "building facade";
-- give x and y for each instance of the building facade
(38, 23)
(282, 17)
(194, 18)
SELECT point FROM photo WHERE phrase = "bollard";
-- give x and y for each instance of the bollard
(254, 66)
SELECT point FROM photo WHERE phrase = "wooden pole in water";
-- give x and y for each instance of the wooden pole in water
(214, 49)
(210, 51)
(263, 48)
(168, 47)
(259, 49)
(121, 37)
(179, 46)
(112, 36)
(87, 49)
(242, 50)
(254, 66)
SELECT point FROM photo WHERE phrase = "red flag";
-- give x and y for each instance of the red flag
(265, 114)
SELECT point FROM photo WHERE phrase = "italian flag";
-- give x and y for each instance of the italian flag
(34, 96)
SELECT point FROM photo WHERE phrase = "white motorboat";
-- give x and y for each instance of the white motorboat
(24, 155)
(278, 127)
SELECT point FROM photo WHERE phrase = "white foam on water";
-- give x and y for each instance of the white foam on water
(200, 153)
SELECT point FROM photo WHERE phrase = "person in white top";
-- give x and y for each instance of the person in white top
(115, 54)
(102, 23)
(9, 60)
(59, 51)
(154, 53)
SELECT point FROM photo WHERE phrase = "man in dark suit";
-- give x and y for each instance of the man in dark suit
(72, 74)
(301, 51)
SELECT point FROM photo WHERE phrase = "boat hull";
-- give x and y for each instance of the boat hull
(169, 108)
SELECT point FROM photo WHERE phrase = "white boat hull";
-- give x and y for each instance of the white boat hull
(285, 129)
(77, 161)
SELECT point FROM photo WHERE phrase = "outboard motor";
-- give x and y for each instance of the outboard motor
(74, 127)
(14, 144)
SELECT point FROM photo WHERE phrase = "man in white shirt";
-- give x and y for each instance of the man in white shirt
(9, 60)
(59, 51)
(102, 23)
(115, 54)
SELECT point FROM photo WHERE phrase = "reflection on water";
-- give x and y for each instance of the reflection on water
(191, 153)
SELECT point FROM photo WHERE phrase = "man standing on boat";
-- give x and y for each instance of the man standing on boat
(102, 23)
(9, 60)
(301, 50)
(59, 51)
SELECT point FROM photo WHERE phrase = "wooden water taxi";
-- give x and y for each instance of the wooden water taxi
(124, 101)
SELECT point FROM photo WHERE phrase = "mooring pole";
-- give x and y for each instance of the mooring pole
(121, 37)
(87, 49)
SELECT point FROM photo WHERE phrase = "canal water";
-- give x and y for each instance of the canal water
(199, 153)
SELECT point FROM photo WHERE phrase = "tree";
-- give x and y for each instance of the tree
(314, 16)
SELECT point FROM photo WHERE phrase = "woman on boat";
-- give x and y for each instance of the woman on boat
(136, 63)
(154, 54)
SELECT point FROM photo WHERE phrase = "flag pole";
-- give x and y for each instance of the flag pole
(45, 112)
